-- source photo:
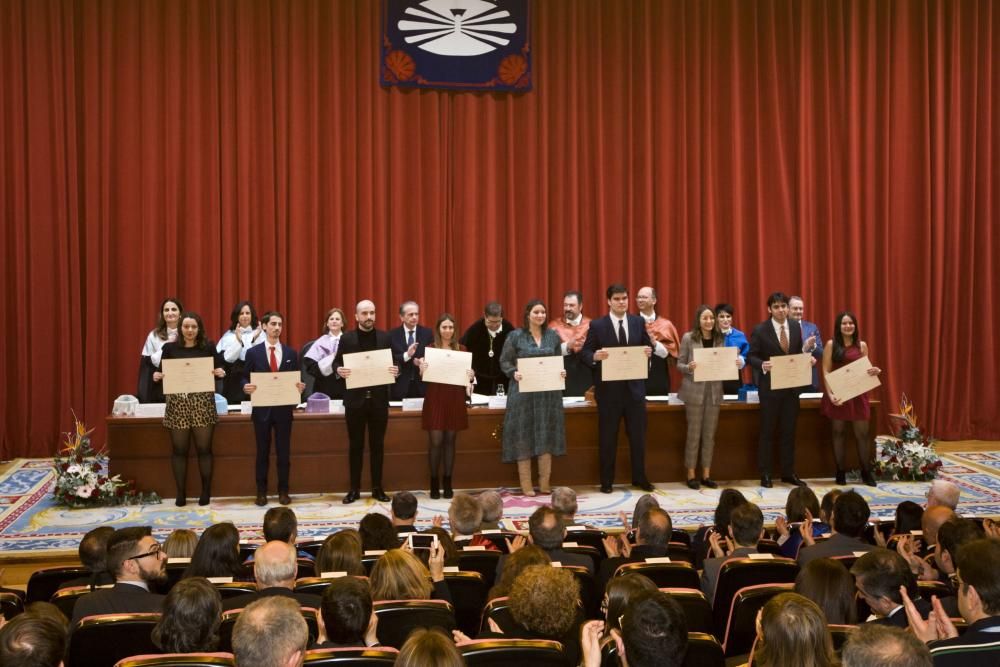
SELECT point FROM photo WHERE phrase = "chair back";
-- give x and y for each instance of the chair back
(498, 539)
(103, 640)
(247, 549)
(179, 660)
(497, 610)
(697, 610)
(681, 552)
(351, 657)
(590, 600)
(741, 627)
(703, 651)
(308, 379)
(768, 546)
(11, 605)
(310, 547)
(503, 652)
(468, 594)
(316, 585)
(43, 583)
(840, 634)
(235, 588)
(679, 535)
(664, 575)
(848, 561)
(307, 568)
(66, 598)
(397, 618)
(483, 562)
(584, 550)
(589, 537)
(739, 573)
(938, 588)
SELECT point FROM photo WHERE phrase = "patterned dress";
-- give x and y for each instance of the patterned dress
(190, 410)
(534, 422)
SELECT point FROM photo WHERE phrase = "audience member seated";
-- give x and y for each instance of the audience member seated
(800, 499)
(180, 543)
(448, 544)
(849, 519)
(135, 559)
(281, 525)
(547, 531)
(930, 523)
(341, 552)
(348, 619)
(429, 648)
(884, 646)
(93, 551)
(217, 554)
(828, 583)
(746, 528)
(31, 640)
(646, 502)
(651, 540)
(274, 568)
(515, 564)
(909, 517)
(943, 493)
(952, 535)
(399, 575)
(792, 632)
(191, 618)
(878, 576)
(564, 502)
(492, 504)
(465, 515)
(826, 506)
(653, 634)
(377, 533)
(619, 592)
(403, 513)
(270, 633)
(728, 500)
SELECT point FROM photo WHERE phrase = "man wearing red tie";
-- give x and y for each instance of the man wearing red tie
(272, 356)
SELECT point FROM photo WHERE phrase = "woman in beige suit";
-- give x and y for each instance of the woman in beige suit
(701, 399)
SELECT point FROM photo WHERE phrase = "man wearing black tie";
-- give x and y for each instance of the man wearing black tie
(408, 342)
(779, 409)
(622, 398)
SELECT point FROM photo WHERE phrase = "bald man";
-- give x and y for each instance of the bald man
(275, 568)
(366, 408)
(663, 333)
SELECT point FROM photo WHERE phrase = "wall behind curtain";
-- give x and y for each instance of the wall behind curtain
(718, 150)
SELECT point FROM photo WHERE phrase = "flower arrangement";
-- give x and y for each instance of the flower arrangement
(82, 474)
(908, 455)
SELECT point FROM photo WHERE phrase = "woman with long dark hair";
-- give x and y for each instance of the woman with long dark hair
(167, 325)
(217, 553)
(845, 348)
(243, 333)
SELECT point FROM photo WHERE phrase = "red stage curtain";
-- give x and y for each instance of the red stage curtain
(718, 150)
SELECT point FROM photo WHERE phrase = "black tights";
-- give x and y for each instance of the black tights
(181, 440)
(860, 429)
(441, 445)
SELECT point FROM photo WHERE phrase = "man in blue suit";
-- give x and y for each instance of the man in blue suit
(622, 398)
(408, 342)
(272, 356)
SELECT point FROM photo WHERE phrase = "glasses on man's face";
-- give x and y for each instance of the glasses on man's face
(153, 551)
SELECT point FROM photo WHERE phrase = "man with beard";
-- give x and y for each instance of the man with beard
(572, 329)
(366, 408)
(135, 559)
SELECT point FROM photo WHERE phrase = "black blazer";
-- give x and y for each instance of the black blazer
(409, 374)
(354, 398)
(122, 599)
(764, 345)
(602, 334)
(257, 362)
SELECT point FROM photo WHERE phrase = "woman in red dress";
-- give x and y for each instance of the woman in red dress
(444, 411)
(847, 347)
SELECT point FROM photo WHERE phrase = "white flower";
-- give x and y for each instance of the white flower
(74, 470)
(84, 491)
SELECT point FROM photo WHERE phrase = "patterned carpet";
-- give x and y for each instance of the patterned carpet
(30, 522)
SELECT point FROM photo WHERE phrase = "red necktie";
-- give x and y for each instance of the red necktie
(783, 341)
(274, 361)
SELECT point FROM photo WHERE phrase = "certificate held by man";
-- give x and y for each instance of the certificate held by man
(625, 363)
(851, 380)
(369, 369)
(715, 363)
(275, 389)
(540, 374)
(791, 370)
(188, 376)
(447, 366)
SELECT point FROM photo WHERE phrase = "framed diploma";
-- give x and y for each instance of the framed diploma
(540, 374)
(625, 363)
(188, 376)
(851, 380)
(275, 389)
(447, 366)
(368, 369)
(791, 370)
(715, 363)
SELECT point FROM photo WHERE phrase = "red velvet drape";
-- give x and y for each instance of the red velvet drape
(718, 150)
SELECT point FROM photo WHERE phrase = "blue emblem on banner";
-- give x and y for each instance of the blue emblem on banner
(470, 44)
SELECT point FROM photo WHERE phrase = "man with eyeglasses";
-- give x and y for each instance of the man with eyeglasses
(135, 559)
(485, 340)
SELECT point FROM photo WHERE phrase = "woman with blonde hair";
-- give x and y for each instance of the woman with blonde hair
(429, 648)
(792, 632)
(399, 575)
(180, 543)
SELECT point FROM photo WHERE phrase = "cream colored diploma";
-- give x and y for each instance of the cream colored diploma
(851, 380)
(625, 363)
(791, 370)
(447, 366)
(275, 389)
(540, 374)
(715, 363)
(368, 369)
(188, 376)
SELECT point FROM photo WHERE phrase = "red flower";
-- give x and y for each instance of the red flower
(401, 65)
(96, 467)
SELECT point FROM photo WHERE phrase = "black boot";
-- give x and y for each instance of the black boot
(841, 478)
(448, 492)
(435, 492)
(868, 478)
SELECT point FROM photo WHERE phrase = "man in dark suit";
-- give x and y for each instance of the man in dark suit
(547, 531)
(623, 398)
(746, 529)
(408, 342)
(779, 409)
(274, 568)
(272, 356)
(135, 559)
(878, 576)
(485, 339)
(652, 535)
(366, 408)
(849, 518)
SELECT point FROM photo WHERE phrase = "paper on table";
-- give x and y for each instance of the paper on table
(274, 389)
(188, 376)
(625, 363)
(368, 369)
(791, 370)
(540, 374)
(447, 366)
(715, 363)
(851, 380)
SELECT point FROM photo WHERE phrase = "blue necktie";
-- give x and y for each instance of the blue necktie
(409, 340)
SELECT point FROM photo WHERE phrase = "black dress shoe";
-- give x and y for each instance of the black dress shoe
(606, 488)
(204, 499)
(379, 495)
(841, 478)
(709, 482)
(284, 499)
(868, 478)
(645, 486)
(261, 500)
(793, 480)
(765, 481)
(351, 496)
(693, 484)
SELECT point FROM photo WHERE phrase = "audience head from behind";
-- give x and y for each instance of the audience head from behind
(347, 612)
(908, 517)
(191, 618)
(492, 504)
(943, 493)
(828, 583)
(403, 508)
(791, 631)
(133, 554)
(564, 502)
(448, 544)
(341, 552)
(280, 524)
(932, 520)
(33, 640)
(873, 645)
(800, 499)
(180, 543)
(653, 631)
(546, 528)
(465, 514)
(655, 528)
(217, 553)
(619, 592)
(953, 535)
(850, 514)
(93, 548)
(270, 632)
(514, 565)
(826, 505)
(544, 599)
(399, 575)
(275, 565)
(643, 505)
(729, 499)
(429, 648)
(878, 575)
(377, 533)
(978, 565)
(746, 525)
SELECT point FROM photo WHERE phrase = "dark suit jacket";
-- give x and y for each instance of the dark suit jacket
(241, 601)
(122, 599)
(639, 553)
(764, 345)
(349, 342)
(409, 374)
(837, 545)
(258, 361)
(602, 334)
(710, 573)
(898, 619)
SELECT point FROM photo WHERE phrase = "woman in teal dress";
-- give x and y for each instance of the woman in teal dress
(533, 425)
